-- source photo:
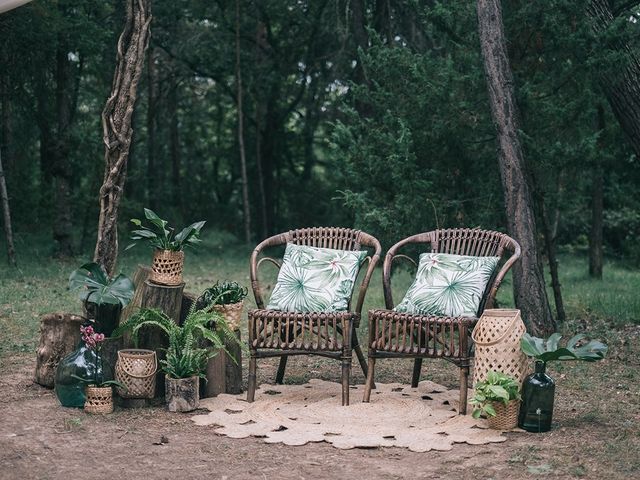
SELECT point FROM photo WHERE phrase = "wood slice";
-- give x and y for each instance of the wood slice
(59, 336)
(168, 299)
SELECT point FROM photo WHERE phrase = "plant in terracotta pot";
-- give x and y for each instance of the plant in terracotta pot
(497, 397)
(103, 297)
(538, 389)
(186, 358)
(168, 259)
(226, 298)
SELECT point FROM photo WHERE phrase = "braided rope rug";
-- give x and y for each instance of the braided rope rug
(420, 419)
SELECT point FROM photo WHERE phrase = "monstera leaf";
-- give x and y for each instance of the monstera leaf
(96, 287)
(549, 350)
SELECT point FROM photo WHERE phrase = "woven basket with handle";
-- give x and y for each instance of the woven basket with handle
(497, 341)
(136, 371)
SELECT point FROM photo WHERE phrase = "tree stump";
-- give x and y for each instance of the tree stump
(59, 336)
(168, 299)
(224, 371)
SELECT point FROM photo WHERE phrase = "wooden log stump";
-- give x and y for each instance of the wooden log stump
(224, 375)
(168, 299)
(59, 336)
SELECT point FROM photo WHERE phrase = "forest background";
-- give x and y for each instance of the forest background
(372, 114)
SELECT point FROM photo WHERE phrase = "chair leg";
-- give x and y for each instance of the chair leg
(355, 345)
(417, 366)
(281, 366)
(464, 378)
(251, 387)
(369, 384)
(346, 373)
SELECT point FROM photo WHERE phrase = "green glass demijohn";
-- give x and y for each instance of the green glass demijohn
(538, 391)
(75, 371)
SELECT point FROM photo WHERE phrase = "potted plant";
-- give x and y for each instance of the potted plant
(538, 389)
(186, 359)
(168, 259)
(103, 297)
(225, 298)
(498, 397)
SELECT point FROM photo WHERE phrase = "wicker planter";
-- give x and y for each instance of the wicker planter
(98, 400)
(166, 268)
(136, 371)
(182, 394)
(232, 313)
(506, 415)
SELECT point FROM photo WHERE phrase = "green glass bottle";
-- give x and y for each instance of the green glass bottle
(75, 371)
(538, 391)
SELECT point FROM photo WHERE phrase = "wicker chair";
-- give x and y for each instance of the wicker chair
(402, 335)
(275, 333)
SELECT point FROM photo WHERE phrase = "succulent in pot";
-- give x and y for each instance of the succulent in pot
(103, 297)
(186, 358)
(497, 397)
(538, 389)
(168, 259)
(226, 298)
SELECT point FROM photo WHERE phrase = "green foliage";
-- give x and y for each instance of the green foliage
(498, 387)
(162, 237)
(549, 350)
(96, 287)
(225, 293)
(106, 383)
(186, 356)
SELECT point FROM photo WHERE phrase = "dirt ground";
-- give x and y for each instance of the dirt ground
(595, 435)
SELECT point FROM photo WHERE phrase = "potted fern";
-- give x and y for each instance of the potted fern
(168, 258)
(227, 299)
(186, 358)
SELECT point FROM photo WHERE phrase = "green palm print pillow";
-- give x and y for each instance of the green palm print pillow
(448, 285)
(315, 279)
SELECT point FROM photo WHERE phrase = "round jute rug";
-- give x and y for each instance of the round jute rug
(420, 419)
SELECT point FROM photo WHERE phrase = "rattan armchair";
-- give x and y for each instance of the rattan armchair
(277, 333)
(403, 335)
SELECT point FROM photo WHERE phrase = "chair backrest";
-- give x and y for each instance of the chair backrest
(458, 241)
(323, 237)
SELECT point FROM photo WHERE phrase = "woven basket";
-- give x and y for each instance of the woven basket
(98, 400)
(166, 268)
(497, 338)
(232, 313)
(506, 415)
(136, 371)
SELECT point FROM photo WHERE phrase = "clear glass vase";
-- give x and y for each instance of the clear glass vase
(75, 371)
(538, 391)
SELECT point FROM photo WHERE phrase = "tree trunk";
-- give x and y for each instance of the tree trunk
(528, 280)
(174, 141)
(620, 86)
(5, 146)
(243, 159)
(152, 124)
(550, 236)
(597, 206)
(116, 127)
(59, 336)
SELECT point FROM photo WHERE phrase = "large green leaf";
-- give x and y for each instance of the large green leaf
(537, 348)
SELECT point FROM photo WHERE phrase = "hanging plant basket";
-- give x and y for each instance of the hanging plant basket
(98, 400)
(166, 268)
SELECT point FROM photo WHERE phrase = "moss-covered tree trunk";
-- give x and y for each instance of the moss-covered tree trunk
(528, 280)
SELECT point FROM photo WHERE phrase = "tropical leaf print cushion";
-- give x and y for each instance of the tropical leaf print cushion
(448, 285)
(315, 279)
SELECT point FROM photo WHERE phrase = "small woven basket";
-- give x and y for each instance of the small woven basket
(166, 268)
(506, 415)
(98, 400)
(136, 371)
(497, 340)
(232, 313)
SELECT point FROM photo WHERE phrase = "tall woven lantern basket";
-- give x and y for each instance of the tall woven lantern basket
(497, 340)
(136, 371)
